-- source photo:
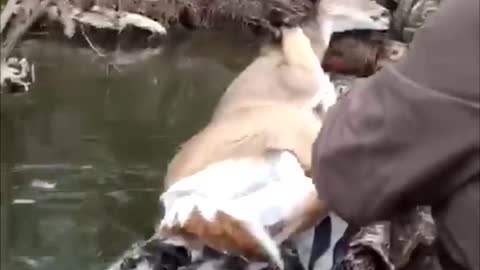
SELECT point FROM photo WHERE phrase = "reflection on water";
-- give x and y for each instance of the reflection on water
(83, 154)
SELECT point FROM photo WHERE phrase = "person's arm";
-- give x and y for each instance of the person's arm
(409, 134)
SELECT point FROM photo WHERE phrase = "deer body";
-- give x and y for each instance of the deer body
(241, 184)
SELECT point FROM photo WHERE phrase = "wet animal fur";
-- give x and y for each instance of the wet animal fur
(249, 132)
(266, 106)
(269, 106)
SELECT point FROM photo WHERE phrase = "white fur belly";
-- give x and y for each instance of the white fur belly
(264, 190)
(259, 192)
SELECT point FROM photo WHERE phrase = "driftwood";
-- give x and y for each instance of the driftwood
(20, 16)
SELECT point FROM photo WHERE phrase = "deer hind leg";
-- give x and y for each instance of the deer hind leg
(327, 96)
(298, 51)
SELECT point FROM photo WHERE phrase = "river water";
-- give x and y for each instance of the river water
(84, 152)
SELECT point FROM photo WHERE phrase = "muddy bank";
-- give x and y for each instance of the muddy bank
(155, 17)
(106, 26)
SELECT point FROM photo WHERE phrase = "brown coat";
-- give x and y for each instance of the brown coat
(410, 135)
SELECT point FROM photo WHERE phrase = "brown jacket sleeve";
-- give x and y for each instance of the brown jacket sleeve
(409, 134)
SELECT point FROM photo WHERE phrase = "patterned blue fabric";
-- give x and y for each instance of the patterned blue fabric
(321, 241)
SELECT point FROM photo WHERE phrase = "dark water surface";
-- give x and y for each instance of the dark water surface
(83, 153)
